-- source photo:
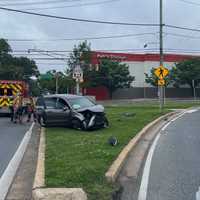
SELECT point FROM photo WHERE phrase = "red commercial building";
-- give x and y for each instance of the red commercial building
(139, 64)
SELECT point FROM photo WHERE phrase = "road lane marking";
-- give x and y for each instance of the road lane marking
(178, 116)
(165, 126)
(192, 111)
(146, 172)
(145, 177)
(198, 194)
(9, 173)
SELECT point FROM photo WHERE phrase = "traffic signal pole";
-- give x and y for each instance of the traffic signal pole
(161, 88)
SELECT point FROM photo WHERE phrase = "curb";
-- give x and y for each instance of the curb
(39, 181)
(114, 170)
(40, 192)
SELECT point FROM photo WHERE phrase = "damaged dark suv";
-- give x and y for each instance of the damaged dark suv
(74, 111)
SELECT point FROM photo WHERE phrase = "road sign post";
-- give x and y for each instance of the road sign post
(78, 76)
(161, 72)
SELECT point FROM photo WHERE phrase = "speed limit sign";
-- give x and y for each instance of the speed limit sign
(78, 73)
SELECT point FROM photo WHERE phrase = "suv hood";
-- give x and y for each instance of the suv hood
(95, 109)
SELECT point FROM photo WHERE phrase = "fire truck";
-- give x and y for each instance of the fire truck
(8, 90)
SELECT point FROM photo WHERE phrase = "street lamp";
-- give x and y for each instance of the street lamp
(150, 43)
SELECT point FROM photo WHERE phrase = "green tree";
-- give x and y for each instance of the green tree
(4, 47)
(81, 54)
(27, 66)
(15, 68)
(111, 74)
(48, 82)
(185, 72)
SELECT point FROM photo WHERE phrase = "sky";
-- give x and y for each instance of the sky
(184, 13)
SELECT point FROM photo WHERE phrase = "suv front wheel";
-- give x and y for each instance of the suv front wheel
(78, 124)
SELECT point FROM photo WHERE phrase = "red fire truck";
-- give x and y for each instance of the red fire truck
(8, 90)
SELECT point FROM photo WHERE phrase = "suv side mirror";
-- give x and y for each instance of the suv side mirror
(65, 108)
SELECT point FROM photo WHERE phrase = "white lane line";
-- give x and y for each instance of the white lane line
(145, 177)
(198, 194)
(165, 126)
(178, 116)
(146, 172)
(9, 174)
(192, 111)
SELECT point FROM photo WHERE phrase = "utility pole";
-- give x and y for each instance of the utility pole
(161, 88)
(194, 89)
(56, 77)
(77, 87)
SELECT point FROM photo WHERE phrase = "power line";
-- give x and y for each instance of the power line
(83, 38)
(182, 28)
(77, 19)
(12, 0)
(30, 55)
(46, 58)
(189, 50)
(182, 35)
(69, 51)
(50, 63)
(190, 2)
(75, 5)
(107, 50)
(96, 21)
(138, 51)
(38, 3)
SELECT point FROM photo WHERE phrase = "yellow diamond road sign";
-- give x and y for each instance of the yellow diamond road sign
(161, 72)
(161, 82)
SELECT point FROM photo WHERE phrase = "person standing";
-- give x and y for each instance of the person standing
(11, 109)
(31, 109)
(18, 108)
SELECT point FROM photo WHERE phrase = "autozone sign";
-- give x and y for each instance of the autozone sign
(111, 56)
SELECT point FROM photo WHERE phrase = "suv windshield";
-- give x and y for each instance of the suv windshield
(80, 102)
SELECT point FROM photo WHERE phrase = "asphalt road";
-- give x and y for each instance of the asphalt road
(175, 167)
(11, 136)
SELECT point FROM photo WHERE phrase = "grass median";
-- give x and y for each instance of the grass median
(81, 159)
